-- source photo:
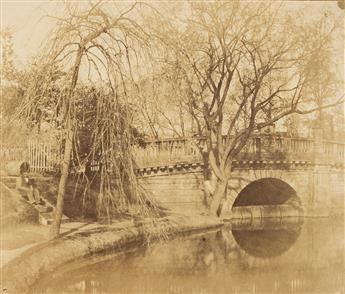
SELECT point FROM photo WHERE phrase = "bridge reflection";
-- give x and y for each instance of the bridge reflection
(269, 238)
(285, 257)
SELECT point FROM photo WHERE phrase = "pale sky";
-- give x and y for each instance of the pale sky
(26, 20)
(30, 26)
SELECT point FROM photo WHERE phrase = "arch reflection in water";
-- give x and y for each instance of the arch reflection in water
(269, 238)
(215, 262)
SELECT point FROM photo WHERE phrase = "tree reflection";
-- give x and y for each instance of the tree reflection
(235, 259)
(237, 245)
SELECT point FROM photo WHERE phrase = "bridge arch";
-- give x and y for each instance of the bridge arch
(267, 190)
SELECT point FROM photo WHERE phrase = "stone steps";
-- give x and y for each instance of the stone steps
(47, 218)
(45, 208)
(10, 182)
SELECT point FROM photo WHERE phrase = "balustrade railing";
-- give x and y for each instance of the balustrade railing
(268, 147)
(166, 152)
(332, 150)
(45, 156)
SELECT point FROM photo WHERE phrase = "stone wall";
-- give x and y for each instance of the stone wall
(320, 190)
(181, 192)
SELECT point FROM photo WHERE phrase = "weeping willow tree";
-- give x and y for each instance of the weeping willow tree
(98, 45)
(103, 141)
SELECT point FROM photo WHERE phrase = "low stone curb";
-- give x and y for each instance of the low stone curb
(23, 271)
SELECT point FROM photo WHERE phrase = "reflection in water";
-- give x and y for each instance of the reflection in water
(269, 239)
(289, 258)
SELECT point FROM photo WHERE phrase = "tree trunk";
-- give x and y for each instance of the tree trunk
(55, 229)
(218, 196)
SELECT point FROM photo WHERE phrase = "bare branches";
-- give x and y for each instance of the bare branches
(243, 70)
(107, 45)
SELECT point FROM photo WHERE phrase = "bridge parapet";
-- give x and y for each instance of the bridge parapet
(333, 151)
(156, 153)
(262, 147)
(197, 167)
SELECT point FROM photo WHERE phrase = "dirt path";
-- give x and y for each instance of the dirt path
(19, 238)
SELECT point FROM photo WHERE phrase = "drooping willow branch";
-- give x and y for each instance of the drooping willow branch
(105, 44)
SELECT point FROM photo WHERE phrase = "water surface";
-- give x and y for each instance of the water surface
(293, 256)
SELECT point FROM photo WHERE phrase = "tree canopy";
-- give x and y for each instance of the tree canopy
(242, 66)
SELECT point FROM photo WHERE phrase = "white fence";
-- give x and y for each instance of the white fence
(42, 156)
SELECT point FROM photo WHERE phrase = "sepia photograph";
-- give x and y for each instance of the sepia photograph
(182, 146)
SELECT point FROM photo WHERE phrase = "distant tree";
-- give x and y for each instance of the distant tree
(324, 82)
(159, 109)
(10, 91)
(8, 70)
(12, 87)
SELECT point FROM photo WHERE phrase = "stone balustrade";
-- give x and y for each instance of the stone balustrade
(260, 147)
(170, 151)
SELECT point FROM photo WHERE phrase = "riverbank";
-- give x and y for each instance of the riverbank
(15, 239)
(88, 239)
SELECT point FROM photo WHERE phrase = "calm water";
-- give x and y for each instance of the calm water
(304, 257)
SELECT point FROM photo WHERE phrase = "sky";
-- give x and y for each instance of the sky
(30, 26)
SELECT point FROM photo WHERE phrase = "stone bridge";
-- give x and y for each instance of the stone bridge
(271, 170)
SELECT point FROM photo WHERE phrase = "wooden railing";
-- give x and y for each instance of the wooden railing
(12, 153)
(41, 156)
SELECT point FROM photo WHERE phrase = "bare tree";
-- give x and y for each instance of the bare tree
(97, 45)
(243, 67)
(324, 83)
